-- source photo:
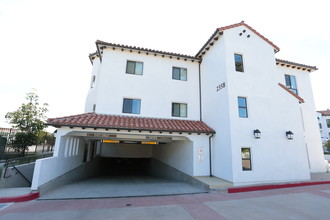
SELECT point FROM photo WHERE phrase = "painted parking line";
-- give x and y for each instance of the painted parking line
(4, 205)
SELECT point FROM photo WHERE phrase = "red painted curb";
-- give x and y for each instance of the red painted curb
(275, 186)
(22, 198)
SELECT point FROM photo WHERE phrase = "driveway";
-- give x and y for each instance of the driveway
(309, 202)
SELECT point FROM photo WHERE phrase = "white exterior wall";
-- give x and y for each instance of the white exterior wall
(190, 156)
(178, 154)
(201, 154)
(93, 93)
(215, 109)
(271, 109)
(156, 88)
(309, 117)
(324, 131)
(68, 154)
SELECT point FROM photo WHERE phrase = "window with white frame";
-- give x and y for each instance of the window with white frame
(179, 110)
(179, 73)
(131, 106)
(134, 67)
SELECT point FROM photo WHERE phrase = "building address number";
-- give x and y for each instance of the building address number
(221, 86)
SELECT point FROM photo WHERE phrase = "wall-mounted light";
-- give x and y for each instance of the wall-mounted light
(289, 135)
(257, 134)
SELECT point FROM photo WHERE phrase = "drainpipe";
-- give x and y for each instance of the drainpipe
(210, 154)
(200, 92)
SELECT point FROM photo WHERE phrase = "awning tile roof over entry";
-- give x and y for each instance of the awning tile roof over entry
(93, 120)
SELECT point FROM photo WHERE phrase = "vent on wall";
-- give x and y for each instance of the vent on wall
(244, 32)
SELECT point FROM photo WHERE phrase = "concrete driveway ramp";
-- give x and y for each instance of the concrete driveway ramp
(126, 177)
(121, 186)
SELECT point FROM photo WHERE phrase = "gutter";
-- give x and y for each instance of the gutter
(210, 155)
(200, 91)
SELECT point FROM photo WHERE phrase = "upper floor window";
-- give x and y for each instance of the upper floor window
(239, 63)
(94, 108)
(242, 107)
(133, 67)
(93, 81)
(131, 106)
(290, 82)
(179, 73)
(328, 123)
(179, 110)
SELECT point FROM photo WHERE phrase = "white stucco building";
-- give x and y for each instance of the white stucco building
(324, 124)
(233, 111)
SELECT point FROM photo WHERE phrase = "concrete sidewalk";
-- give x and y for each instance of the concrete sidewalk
(116, 187)
(11, 192)
(308, 202)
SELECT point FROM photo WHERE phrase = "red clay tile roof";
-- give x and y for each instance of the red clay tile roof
(292, 93)
(295, 65)
(102, 45)
(253, 30)
(325, 112)
(214, 36)
(93, 120)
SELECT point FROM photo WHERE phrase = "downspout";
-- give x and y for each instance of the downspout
(210, 154)
(200, 91)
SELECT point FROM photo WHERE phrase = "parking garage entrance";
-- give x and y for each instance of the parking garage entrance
(130, 165)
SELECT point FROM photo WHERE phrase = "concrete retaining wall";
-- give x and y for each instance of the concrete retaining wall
(14, 178)
(162, 170)
(86, 170)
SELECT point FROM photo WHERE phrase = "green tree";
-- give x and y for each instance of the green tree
(29, 120)
(22, 140)
(46, 139)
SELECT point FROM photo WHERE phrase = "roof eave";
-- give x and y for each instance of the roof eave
(92, 56)
(220, 31)
(131, 129)
(101, 45)
(294, 65)
(214, 37)
(301, 100)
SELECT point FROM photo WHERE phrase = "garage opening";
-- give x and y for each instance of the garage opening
(132, 168)
(124, 166)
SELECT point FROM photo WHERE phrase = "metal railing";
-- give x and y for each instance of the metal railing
(25, 160)
(13, 162)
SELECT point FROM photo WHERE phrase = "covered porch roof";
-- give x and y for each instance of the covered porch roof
(104, 121)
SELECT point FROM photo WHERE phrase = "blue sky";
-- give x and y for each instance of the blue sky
(45, 44)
